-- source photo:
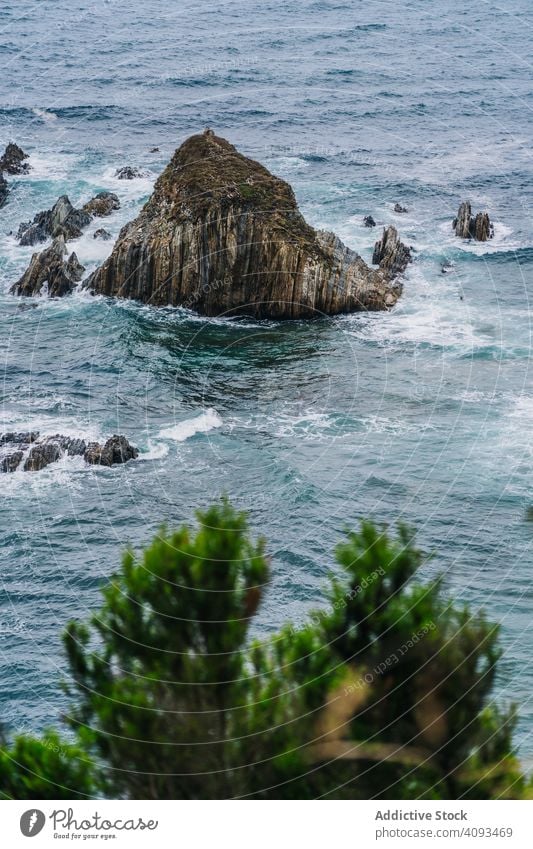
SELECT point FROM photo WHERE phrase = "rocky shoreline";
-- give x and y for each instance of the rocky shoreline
(31, 452)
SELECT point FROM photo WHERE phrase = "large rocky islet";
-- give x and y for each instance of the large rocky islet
(221, 235)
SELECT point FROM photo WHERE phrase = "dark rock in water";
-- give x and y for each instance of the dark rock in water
(467, 226)
(62, 220)
(129, 173)
(38, 230)
(72, 446)
(461, 224)
(41, 455)
(154, 150)
(447, 267)
(399, 208)
(368, 221)
(482, 228)
(105, 235)
(116, 450)
(4, 190)
(102, 205)
(10, 462)
(93, 454)
(67, 220)
(49, 267)
(222, 235)
(31, 453)
(24, 438)
(12, 161)
(390, 254)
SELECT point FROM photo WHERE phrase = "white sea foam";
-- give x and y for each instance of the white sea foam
(203, 423)
(51, 425)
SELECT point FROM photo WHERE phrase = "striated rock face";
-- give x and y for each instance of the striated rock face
(467, 226)
(4, 190)
(222, 235)
(49, 269)
(31, 452)
(390, 254)
(12, 160)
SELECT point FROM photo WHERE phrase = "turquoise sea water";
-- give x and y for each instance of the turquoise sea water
(423, 414)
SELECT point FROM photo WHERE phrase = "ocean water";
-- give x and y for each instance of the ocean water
(422, 415)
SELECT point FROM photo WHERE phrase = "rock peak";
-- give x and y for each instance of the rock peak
(221, 234)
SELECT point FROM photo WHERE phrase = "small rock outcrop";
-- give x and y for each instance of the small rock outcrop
(62, 220)
(116, 450)
(13, 160)
(102, 205)
(368, 221)
(30, 452)
(129, 173)
(48, 270)
(468, 226)
(224, 236)
(105, 235)
(398, 208)
(4, 190)
(391, 254)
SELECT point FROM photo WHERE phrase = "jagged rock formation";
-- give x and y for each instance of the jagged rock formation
(4, 190)
(30, 452)
(12, 160)
(63, 219)
(103, 234)
(390, 254)
(116, 450)
(467, 226)
(48, 269)
(221, 234)
(102, 205)
(129, 173)
(368, 221)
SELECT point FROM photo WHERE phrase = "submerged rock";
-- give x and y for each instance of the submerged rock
(222, 235)
(31, 453)
(390, 254)
(4, 190)
(398, 208)
(48, 269)
(102, 205)
(129, 173)
(368, 221)
(12, 160)
(105, 235)
(467, 226)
